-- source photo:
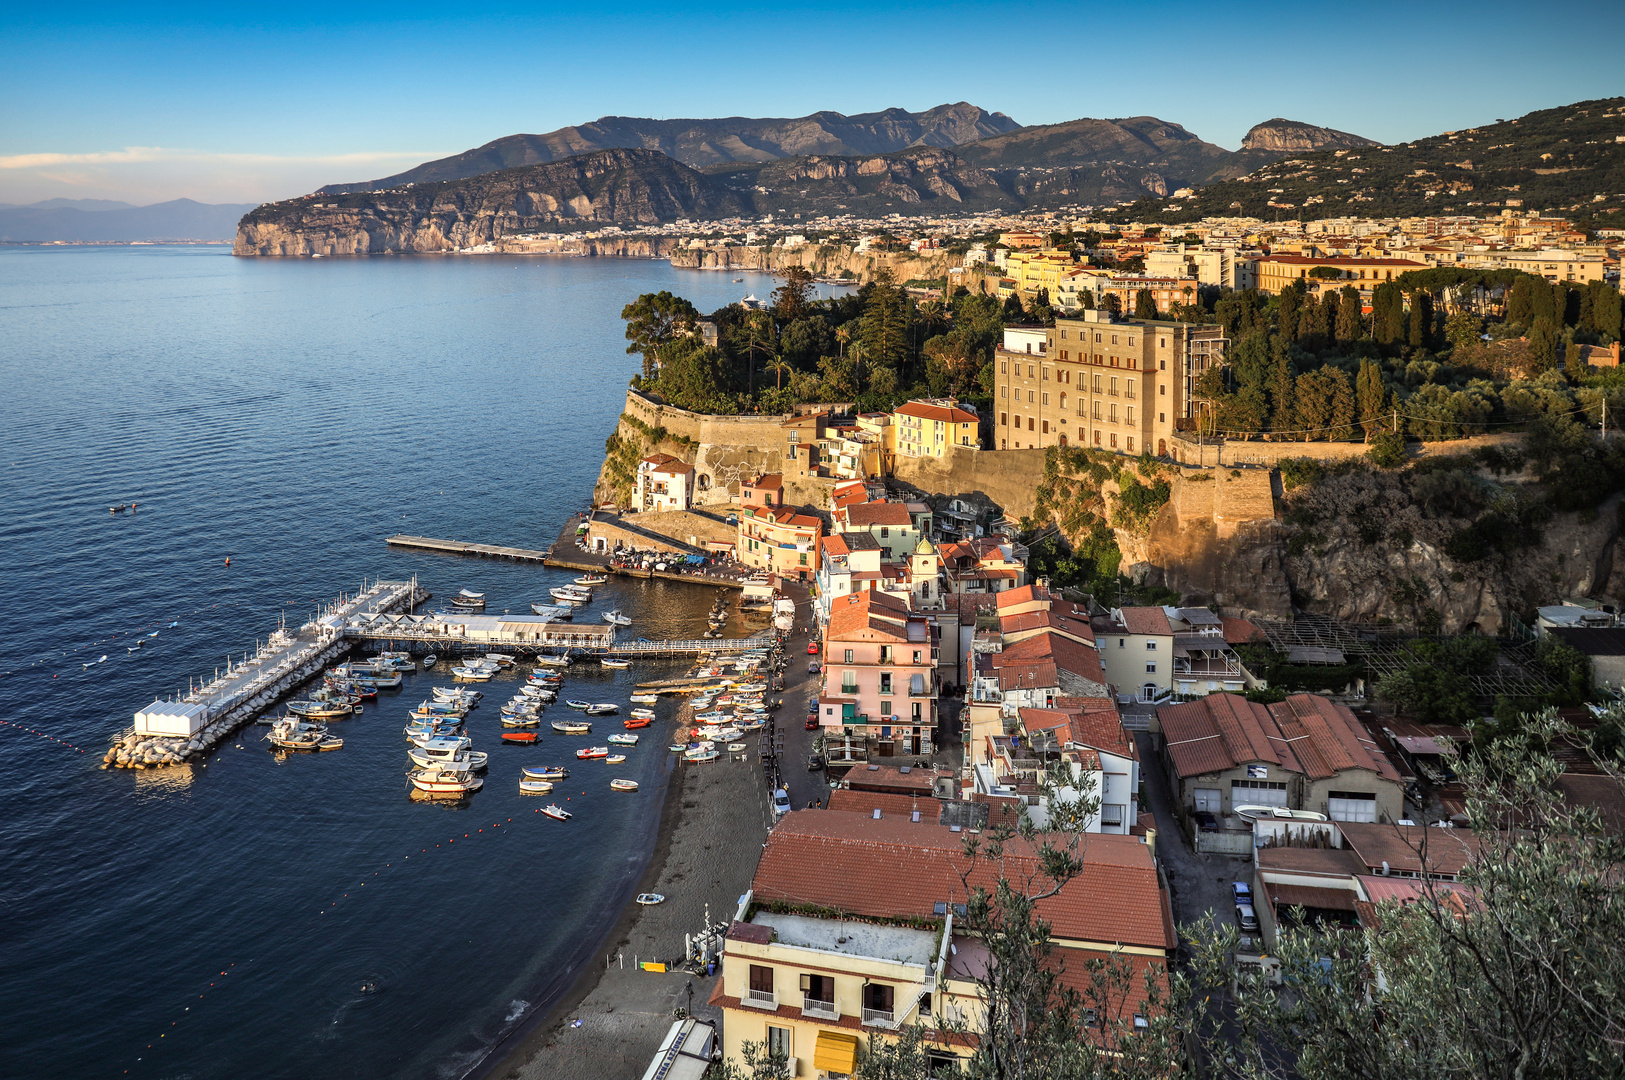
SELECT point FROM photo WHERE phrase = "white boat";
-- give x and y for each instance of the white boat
(645, 699)
(320, 710)
(615, 663)
(467, 598)
(552, 661)
(521, 721)
(603, 708)
(535, 787)
(614, 759)
(736, 747)
(572, 727)
(557, 812)
(500, 659)
(462, 694)
(623, 785)
(624, 739)
(589, 580)
(436, 738)
(289, 733)
(547, 772)
(442, 781)
(649, 899)
(643, 714)
(448, 750)
(616, 618)
(474, 674)
(701, 756)
(431, 660)
(571, 594)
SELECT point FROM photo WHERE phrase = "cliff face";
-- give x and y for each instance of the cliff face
(622, 187)
(821, 261)
(1295, 136)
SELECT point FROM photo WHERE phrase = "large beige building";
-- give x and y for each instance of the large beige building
(1276, 272)
(1124, 386)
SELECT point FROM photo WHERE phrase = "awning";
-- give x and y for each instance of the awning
(836, 1052)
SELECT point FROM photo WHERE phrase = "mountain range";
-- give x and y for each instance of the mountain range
(110, 221)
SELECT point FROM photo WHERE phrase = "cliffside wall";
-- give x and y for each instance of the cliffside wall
(1217, 540)
(822, 261)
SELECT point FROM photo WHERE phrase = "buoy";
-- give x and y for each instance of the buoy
(228, 560)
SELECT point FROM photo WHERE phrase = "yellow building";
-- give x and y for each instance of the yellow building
(773, 536)
(928, 428)
(1276, 272)
(1126, 386)
(1041, 269)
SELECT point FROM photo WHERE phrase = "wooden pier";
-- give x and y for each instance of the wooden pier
(463, 547)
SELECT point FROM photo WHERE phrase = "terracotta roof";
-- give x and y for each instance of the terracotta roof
(889, 803)
(1146, 620)
(1044, 719)
(898, 778)
(1216, 733)
(1052, 650)
(835, 545)
(874, 612)
(1327, 739)
(1031, 620)
(1100, 727)
(1024, 595)
(865, 515)
(896, 868)
(936, 412)
(767, 480)
(1402, 846)
(784, 515)
(1240, 631)
(658, 459)
(1304, 260)
(1310, 896)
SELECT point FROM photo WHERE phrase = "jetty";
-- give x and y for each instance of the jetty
(464, 547)
(174, 730)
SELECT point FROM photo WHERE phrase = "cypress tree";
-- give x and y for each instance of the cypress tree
(1282, 387)
(1388, 313)
(1287, 308)
(1350, 318)
(1543, 344)
(1144, 306)
(1521, 301)
(1371, 397)
(1421, 319)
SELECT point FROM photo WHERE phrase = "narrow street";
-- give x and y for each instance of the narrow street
(1200, 883)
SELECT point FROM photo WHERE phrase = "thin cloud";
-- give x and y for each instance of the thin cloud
(141, 155)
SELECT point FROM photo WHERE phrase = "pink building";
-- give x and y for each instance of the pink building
(880, 674)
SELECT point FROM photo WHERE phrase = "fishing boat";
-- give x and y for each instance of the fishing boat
(473, 674)
(434, 738)
(500, 659)
(603, 708)
(572, 727)
(622, 739)
(440, 708)
(589, 580)
(623, 785)
(521, 721)
(587, 753)
(535, 787)
(614, 759)
(400, 661)
(736, 748)
(552, 661)
(290, 734)
(547, 772)
(615, 663)
(449, 751)
(645, 699)
(571, 594)
(702, 756)
(431, 660)
(617, 618)
(440, 781)
(520, 736)
(462, 694)
(649, 899)
(320, 710)
(577, 703)
(556, 812)
(643, 714)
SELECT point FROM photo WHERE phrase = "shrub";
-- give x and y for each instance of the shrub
(1387, 450)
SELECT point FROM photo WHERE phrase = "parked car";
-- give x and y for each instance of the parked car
(815, 763)
(1247, 918)
(1206, 821)
(812, 722)
(781, 805)
(814, 667)
(1242, 892)
(812, 648)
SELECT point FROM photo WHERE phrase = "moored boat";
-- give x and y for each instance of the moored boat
(615, 663)
(520, 736)
(431, 660)
(572, 727)
(320, 710)
(577, 703)
(614, 759)
(521, 721)
(645, 699)
(589, 580)
(643, 714)
(441, 781)
(623, 785)
(449, 752)
(535, 787)
(623, 739)
(603, 708)
(617, 618)
(557, 812)
(636, 722)
(547, 772)
(649, 899)
(587, 753)
(552, 661)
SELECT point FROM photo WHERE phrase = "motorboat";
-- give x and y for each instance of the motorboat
(623, 785)
(289, 733)
(587, 753)
(571, 594)
(649, 899)
(623, 739)
(643, 714)
(577, 703)
(321, 710)
(556, 812)
(617, 618)
(677, 748)
(1253, 813)
(440, 781)
(645, 699)
(547, 772)
(440, 708)
(552, 661)
(636, 722)
(736, 748)
(535, 787)
(521, 721)
(441, 738)
(500, 659)
(448, 749)
(392, 681)
(474, 674)
(520, 736)
(614, 759)
(589, 580)
(701, 756)
(572, 727)
(615, 663)
(467, 598)
(399, 661)
(603, 708)
(461, 694)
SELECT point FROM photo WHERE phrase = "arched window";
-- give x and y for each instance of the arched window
(1063, 401)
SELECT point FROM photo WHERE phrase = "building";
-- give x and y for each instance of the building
(1165, 292)
(1604, 646)
(773, 536)
(880, 679)
(890, 523)
(1304, 753)
(814, 986)
(1556, 264)
(1113, 385)
(1276, 272)
(984, 564)
(665, 483)
(1087, 736)
(1152, 652)
(929, 428)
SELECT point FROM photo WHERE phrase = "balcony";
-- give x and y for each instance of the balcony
(813, 1009)
(880, 1018)
(760, 999)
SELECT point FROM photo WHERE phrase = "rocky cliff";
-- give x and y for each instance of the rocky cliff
(1295, 136)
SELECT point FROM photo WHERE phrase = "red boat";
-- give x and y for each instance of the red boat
(519, 736)
(632, 724)
(588, 752)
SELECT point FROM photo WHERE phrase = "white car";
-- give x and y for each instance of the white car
(781, 803)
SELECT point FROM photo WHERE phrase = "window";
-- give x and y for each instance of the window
(1029, 371)
(1004, 367)
(1150, 667)
(1097, 436)
(1151, 646)
(885, 682)
(1081, 436)
(778, 1041)
(1114, 412)
(1097, 382)
(1097, 410)
(917, 651)
(1128, 390)
(1029, 423)
(1029, 396)
(1131, 440)
(1111, 815)
(849, 682)
(1128, 414)
(1004, 391)
(1122, 642)
(1114, 439)
(1351, 806)
(884, 532)
(849, 656)
(1046, 374)
(885, 654)
(820, 988)
(1257, 793)
(1046, 399)
(761, 979)
(1004, 418)
(1113, 390)
(885, 706)
(1046, 427)
(877, 997)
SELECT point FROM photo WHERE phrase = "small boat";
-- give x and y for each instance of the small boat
(645, 699)
(636, 722)
(623, 739)
(587, 753)
(520, 736)
(615, 663)
(649, 899)
(616, 618)
(431, 660)
(603, 708)
(643, 714)
(572, 727)
(614, 759)
(320, 710)
(577, 703)
(521, 722)
(702, 756)
(736, 748)
(440, 781)
(677, 748)
(623, 785)
(463, 694)
(473, 674)
(552, 661)
(547, 772)
(448, 751)
(291, 734)
(437, 738)
(535, 787)
(558, 612)
(468, 600)
(589, 580)
(571, 594)
(556, 812)
(500, 659)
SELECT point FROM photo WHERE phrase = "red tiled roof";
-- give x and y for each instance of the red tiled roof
(1146, 620)
(856, 613)
(865, 515)
(877, 777)
(1326, 738)
(1403, 847)
(835, 545)
(1304, 260)
(889, 803)
(1044, 719)
(767, 480)
(1024, 595)
(936, 412)
(1240, 631)
(1216, 733)
(1056, 650)
(1030, 620)
(896, 868)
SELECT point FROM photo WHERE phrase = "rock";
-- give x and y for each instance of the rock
(1295, 136)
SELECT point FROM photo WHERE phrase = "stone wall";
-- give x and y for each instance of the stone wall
(1237, 452)
(1007, 478)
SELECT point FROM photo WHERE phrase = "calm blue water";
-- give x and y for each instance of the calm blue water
(221, 921)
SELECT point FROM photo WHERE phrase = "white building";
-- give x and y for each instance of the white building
(665, 483)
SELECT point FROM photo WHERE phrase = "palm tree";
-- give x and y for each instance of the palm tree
(778, 365)
(933, 316)
(842, 337)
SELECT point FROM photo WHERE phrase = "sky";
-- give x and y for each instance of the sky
(221, 103)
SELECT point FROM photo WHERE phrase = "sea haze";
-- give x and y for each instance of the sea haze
(296, 918)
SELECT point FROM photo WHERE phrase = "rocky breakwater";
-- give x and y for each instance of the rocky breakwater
(609, 187)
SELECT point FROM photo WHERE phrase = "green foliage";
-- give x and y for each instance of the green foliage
(1437, 687)
(654, 320)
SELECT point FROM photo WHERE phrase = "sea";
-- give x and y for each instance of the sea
(300, 916)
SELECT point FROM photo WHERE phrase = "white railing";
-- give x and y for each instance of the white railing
(882, 1018)
(822, 1010)
(760, 999)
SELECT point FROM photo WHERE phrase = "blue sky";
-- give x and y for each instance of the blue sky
(223, 104)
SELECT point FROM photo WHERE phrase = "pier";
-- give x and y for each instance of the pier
(463, 547)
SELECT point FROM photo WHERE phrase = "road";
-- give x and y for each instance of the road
(1199, 883)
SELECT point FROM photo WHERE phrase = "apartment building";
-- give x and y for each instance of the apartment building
(880, 677)
(815, 988)
(1087, 737)
(890, 523)
(1120, 385)
(1165, 291)
(929, 428)
(1152, 652)
(665, 483)
(775, 537)
(1556, 264)
(1276, 272)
